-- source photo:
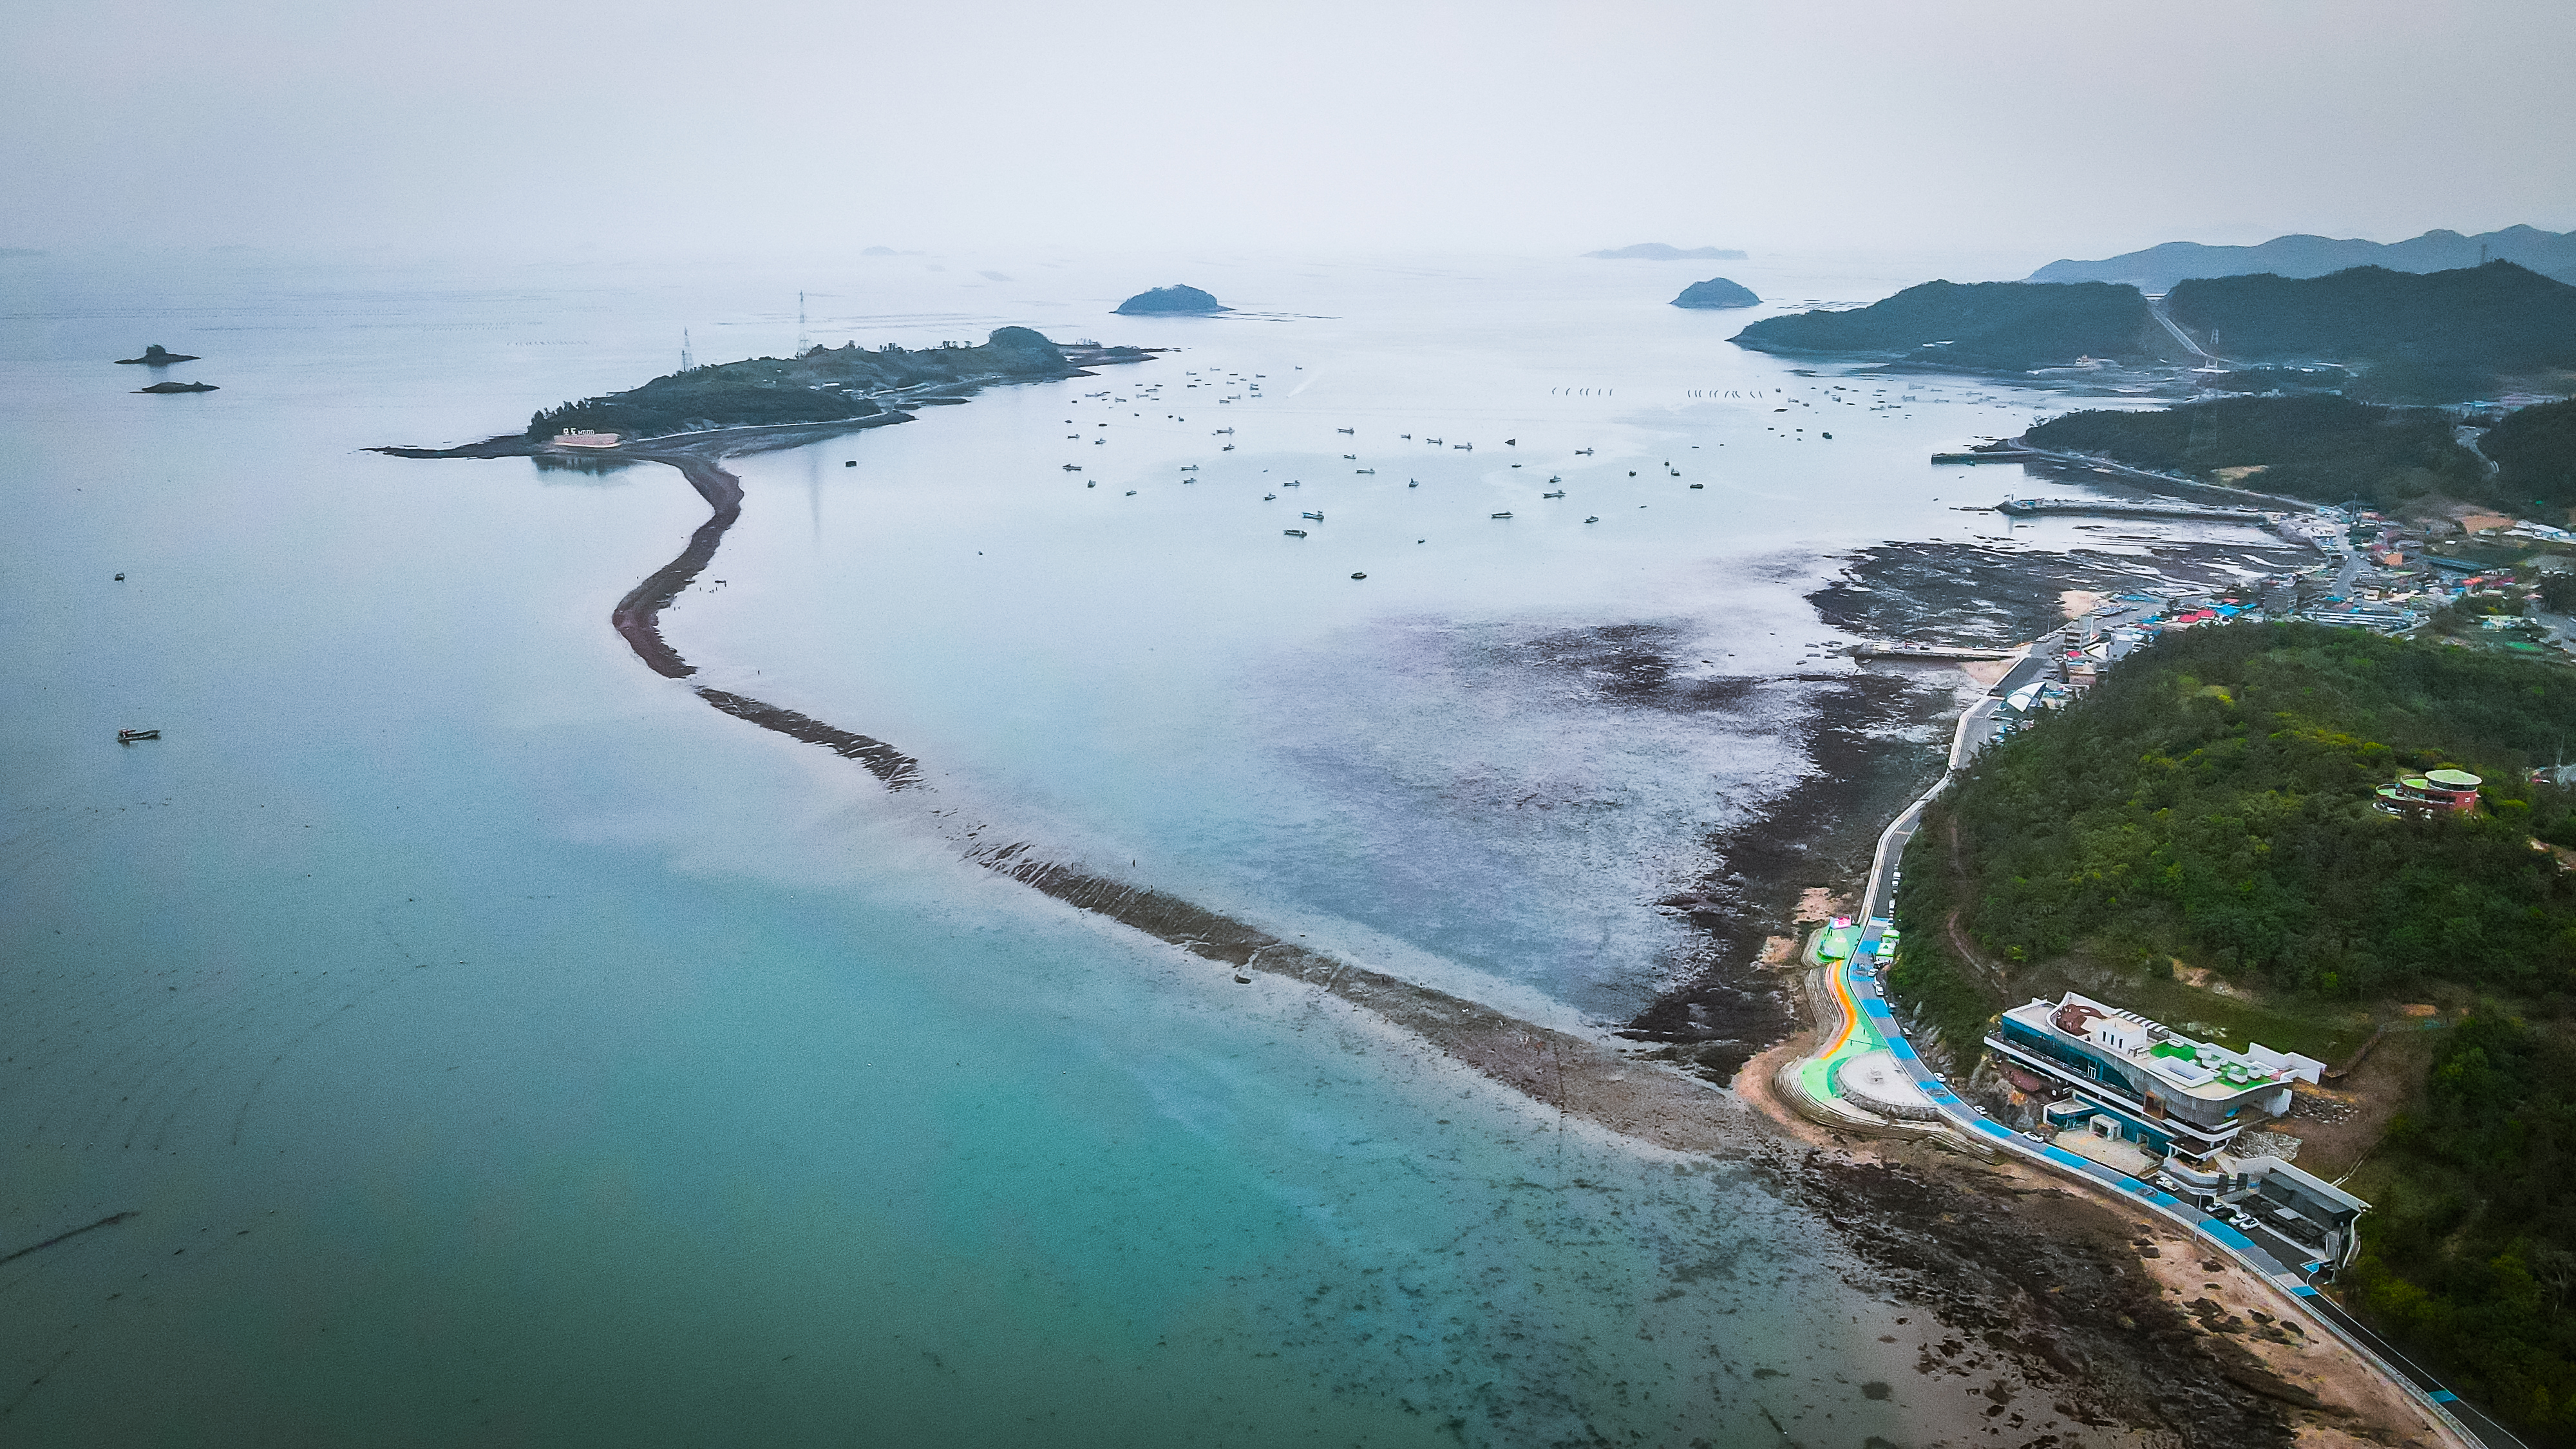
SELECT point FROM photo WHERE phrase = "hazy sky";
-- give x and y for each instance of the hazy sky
(2068, 127)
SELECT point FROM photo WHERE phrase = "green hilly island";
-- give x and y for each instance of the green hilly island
(2206, 813)
(1978, 326)
(821, 385)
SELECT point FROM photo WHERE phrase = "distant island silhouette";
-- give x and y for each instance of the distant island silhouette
(158, 356)
(1660, 252)
(1175, 300)
(2159, 268)
(1716, 292)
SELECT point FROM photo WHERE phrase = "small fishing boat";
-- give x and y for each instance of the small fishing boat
(1464, 447)
(1364, 472)
(1596, 518)
(1583, 452)
(1412, 482)
(1342, 430)
(1359, 576)
(127, 737)
(1699, 485)
(1189, 467)
(1267, 497)
(1502, 515)
(1073, 467)
(1131, 492)
(1315, 516)
(1294, 532)
(1350, 457)
(1228, 448)
(1560, 493)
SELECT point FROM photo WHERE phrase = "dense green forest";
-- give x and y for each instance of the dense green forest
(2471, 1253)
(2422, 337)
(2536, 449)
(1977, 326)
(2211, 800)
(803, 389)
(2316, 446)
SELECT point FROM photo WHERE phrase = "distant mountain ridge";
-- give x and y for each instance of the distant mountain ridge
(2158, 268)
(1663, 252)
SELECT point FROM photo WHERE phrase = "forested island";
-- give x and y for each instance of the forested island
(2415, 337)
(2205, 814)
(1716, 292)
(1979, 326)
(1170, 301)
(2331, 449)
(824, 384)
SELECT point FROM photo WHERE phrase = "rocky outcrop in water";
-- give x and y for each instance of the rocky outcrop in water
(158, 356)
(1172, 301)
(166, 387)
(1716, 292)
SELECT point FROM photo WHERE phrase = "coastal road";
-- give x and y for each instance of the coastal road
(2156, 306)
(2277, 1259)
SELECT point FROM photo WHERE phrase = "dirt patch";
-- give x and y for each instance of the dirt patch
(2076, 603)
(2352, 1404)
(2339, 1122)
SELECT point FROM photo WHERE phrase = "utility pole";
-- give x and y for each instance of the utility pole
(800, 324)
(687, 362)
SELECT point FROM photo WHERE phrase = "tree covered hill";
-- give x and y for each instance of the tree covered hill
(2209, 803)
(2535, 449)
(2318, 446)
(825, 384)
(2212, 799)
(1978, 326)
(2437, 336)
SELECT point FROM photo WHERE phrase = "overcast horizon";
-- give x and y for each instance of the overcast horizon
(654, 128)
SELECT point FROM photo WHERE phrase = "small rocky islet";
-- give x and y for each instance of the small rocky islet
(1716, 292)
(157, 355)
(1171, 301)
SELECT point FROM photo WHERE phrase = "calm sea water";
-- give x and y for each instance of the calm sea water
(493, 1044)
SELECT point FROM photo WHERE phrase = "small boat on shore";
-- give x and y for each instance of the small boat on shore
(127, 737)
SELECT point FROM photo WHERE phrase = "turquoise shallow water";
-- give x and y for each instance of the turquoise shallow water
(496, 1045)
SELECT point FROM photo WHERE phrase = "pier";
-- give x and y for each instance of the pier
(2122, 508)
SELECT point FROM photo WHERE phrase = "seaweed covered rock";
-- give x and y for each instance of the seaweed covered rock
(1175, 300)
(1716, 292)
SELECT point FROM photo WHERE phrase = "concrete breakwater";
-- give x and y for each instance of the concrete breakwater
(2122, 508)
